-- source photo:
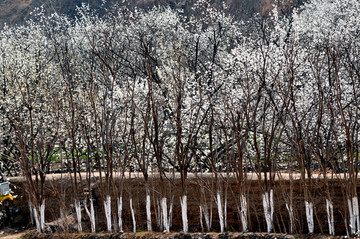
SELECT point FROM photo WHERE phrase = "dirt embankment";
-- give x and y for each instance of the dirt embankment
(59, 192)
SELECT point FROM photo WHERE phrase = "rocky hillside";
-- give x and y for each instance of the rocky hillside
(17, 11)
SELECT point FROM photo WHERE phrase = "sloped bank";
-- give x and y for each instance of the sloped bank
(256, 211)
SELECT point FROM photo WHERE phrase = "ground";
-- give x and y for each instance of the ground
(58, 190)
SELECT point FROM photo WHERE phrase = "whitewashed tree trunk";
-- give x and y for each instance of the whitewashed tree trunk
(208, 218)
(330, 216)
(267, 211)
(201, 219)
(148, 210)
(78, 214)
(291, 216)
(347, 229)
(31, 213)
(352, 218)
(225, 212)
(272, 204)
(42, 215)
(171, 212)
(220, 212)
(91, 214)
(354, 215)
(309, 209)
(164, 213)
(158, 215)
(133, 215)
(268, 203)
(107, 207)
(243, 214)
(183, 203)
(119, 201)
(36, 217)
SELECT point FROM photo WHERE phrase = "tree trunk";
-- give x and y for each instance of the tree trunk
(220, 212)
(290, 209)
(42, 215)
(91, 215)
(148, 210)
(133, 215)
(164, 214)
(119, 201)
(309, 216)
(268, 202)
(107, 207)
(36, 217)
(330, 216)
(243, 215)
(31, 213)
(354, 215)
(183, 203)
(78, 214)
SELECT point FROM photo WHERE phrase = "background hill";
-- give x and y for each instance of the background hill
(17, 11)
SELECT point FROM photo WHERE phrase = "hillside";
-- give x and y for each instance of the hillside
(16, 11)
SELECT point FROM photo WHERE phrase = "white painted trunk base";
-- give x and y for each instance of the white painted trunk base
(330, 216)
(356, 213)
(309, 209)
(164, 213)
(183, 203)
(201, 218)
(148, 211)
(119, 202)
(268, 203)
(91, 214)
(243, 213)
(204, 211)
(353, 205)
(225, 213)
(42, 215)
(158, 215)
(220, 212)
(171, 211)
(31, 212)
(107, 207)
(133, 215)
(78, 214)
(291, 216)
(36, 217)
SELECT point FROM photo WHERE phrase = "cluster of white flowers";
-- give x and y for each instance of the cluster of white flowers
(107, 85)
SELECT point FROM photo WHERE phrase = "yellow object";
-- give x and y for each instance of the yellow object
(6, 197)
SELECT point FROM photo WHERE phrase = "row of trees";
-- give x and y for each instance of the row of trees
(159, 92)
